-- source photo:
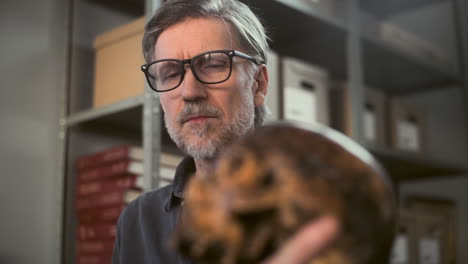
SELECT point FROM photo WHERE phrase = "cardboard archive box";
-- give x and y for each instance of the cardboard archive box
(408, 126)
(117, 64)
(431, 236)
(305, 92)
(436, 232)
(425, 232)
(374, 113)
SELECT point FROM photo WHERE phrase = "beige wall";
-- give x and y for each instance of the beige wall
(32, 72)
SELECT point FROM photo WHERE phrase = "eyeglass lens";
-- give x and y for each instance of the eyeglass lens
(209, 68)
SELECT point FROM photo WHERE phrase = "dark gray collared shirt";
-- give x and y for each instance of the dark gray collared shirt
(146, 224)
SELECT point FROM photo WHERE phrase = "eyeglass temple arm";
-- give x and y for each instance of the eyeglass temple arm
(248, 57)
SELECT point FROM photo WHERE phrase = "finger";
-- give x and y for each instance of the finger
(310, 241)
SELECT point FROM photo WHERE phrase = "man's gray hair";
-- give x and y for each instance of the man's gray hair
(251, 33)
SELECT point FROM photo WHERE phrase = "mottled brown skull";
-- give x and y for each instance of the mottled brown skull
(271, 183)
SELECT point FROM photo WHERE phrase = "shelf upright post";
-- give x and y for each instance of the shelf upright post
(64, 29)
(151, 123)
(355, 69)
(461, 12)
(356, 74)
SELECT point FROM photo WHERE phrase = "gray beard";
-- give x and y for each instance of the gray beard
(242, 123)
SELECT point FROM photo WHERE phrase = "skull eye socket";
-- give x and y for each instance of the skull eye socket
(235, 163)
(268, 179)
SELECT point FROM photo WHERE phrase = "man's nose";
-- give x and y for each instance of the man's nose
(191, 88)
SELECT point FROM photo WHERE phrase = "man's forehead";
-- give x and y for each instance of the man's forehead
(193, 36)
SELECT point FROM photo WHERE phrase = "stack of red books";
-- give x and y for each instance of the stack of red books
(106, 182)
(167, 167)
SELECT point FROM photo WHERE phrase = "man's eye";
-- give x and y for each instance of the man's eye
(215, 65)
(168, 73)
(172, 75)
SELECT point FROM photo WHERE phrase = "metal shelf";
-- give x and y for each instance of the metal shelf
(306, 9)
(384, 9)
(407, 166)
(131, 7)
(105, 112)
(397, 71)
(299, 31)
(385, 66)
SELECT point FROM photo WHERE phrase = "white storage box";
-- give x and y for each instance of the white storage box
(305, 92)
(408, 126)
(374, 113)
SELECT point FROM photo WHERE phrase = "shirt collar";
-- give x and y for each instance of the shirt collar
(184, 171)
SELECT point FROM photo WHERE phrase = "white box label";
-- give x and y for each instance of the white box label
(429, 251)
(370, 126)
(300, 105)
(400, 250)
(408, 135)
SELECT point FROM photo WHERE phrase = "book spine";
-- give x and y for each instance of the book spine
(96, 259)
(97, 231)
(101, 200)
(100, 215)
(96, 187)
(104, 172)
(95, 247)
(167, 173)
(106, 156)
(170, 159)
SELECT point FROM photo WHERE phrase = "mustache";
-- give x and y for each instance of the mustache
(197, 109)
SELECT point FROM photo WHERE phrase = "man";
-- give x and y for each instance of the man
(206, 58)
(209, 99)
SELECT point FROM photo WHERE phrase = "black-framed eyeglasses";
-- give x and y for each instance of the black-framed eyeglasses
(210, 68)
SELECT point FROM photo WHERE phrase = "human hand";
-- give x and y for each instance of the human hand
(308, 242)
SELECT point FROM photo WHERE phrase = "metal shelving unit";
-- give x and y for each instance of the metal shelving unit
(413, 166)
(461, 23)
(279, 16)
(132, 7)
(400, 72)
(303, 7)
(104, 112)
(396, 69)
(341, 45)
(135, 120)
(349, 51)
(406, 73)
(387, 8)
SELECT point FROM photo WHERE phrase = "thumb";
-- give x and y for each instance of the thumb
(308, 242)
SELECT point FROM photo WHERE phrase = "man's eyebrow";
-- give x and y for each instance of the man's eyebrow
(181, 55)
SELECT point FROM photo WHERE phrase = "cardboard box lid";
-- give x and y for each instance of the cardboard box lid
(118, 33)
(293, 67)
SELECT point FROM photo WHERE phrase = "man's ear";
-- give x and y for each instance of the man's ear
(261, 86)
